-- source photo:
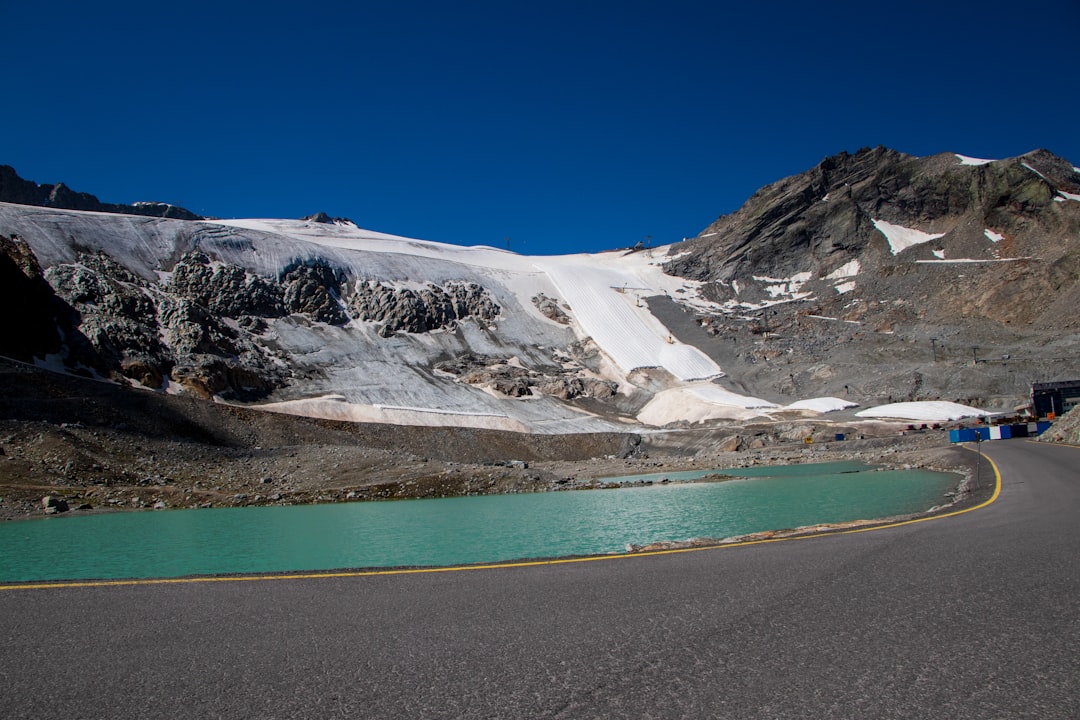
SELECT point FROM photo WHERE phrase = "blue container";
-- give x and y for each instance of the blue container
(1042, 426)
(983, 432)
(839, 436)
(962, 435)
(1019, 430)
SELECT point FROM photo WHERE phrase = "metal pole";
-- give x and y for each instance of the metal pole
(978, 466)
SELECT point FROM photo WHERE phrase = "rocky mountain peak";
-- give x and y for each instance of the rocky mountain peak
(321, 217)
(14, 189)
(865, 266)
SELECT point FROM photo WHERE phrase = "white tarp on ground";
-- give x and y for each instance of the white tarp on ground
(605, 301)
(926, 411)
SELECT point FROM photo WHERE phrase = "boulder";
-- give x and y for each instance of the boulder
(53, 504)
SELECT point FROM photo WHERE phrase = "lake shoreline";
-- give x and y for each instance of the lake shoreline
(926, 449)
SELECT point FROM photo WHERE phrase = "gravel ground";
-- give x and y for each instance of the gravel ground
(99, 447)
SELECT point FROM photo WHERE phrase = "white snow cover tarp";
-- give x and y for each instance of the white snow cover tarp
(821, 405)
(698, 404)
(604, 300)
(927, 411)
(721, 396)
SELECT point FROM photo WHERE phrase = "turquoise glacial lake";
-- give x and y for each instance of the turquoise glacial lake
(452, 531)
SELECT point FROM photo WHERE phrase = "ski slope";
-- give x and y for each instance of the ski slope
(605, 299)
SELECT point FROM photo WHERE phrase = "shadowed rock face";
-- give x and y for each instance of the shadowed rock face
(34, 316)
(14, 189)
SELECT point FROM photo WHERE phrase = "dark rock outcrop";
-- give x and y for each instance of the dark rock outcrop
(512, 380)
(128, 328)
(225, 290)
(817, 222)
(314, 287)
(117, 318)
(824, 217)
(32, 314)
(14, 189)
(321, 217)
(550, 308)
(419, 311)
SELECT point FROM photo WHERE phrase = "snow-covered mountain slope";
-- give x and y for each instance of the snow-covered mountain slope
(870, 279)
(327, 339)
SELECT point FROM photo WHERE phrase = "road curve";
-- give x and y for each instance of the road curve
(972, 616)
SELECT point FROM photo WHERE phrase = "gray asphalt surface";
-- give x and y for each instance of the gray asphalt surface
(974, 616)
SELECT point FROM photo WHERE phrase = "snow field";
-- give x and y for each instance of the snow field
(901, 238)
(965, 160)
(604, 301)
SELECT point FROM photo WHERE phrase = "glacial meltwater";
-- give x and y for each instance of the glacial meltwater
(460, 530)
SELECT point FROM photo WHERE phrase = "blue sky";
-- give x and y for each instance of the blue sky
(564, 126)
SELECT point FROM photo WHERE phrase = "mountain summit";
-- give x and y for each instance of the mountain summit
(880, 269)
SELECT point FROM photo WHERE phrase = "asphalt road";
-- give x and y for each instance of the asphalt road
(973, 616)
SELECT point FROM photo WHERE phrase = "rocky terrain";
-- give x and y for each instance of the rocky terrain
(80, 445)
(1065, 429)
(816, 295)
(14, 189)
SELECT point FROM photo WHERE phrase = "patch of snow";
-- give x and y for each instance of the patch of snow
(684, 404)
(1069, 196)
(959, 261)
(336, 407)
(1058, 198)
(785, 287)
(926, 411)
(826, 317)
(901, 238)
(847, 270)
(821, 405)
(720, 396)
(53, 362)
(965, 160)
(1034, 171)
(939, 254)
(993, 236)
(845, 287)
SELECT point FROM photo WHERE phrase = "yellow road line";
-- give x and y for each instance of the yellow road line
(496, 566)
